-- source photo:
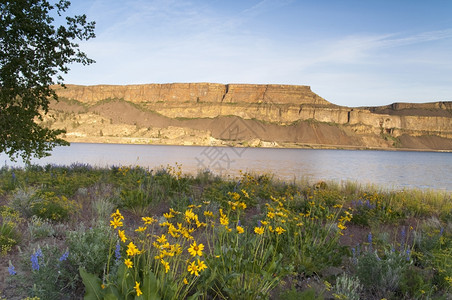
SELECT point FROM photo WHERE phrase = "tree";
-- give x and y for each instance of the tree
(35, 52)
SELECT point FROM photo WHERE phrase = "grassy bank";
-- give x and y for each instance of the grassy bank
(70, 232)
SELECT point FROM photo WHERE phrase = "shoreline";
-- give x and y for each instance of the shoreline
(136, 141)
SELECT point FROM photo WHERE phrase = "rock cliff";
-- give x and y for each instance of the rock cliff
(285, 115)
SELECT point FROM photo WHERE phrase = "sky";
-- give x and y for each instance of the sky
(352, 53)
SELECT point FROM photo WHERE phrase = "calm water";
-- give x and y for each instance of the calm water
(385, 168)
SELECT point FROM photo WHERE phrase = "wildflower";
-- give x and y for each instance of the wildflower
(128, 263)
(122, 236)
(118, 251)
(240, 229)
(270, 215)
(341, 226)
(162, 239)
(280, 230)
(189, 215)
(265, 223)
(168, 215)
(11, 269)
(245, 193)
(137, 288)
(193, 268)
(259, 230)
(132, 249)
(116, 223)
(117, 215)
(208, 213)
(148, 220)
(166, 265)
(34, 262)
(224, 220)
(201, 265)
(102, 286)
(196, 249)
(185, 281)
(141, 229)
(64, 256)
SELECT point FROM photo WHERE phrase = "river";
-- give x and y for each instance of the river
(387, 169)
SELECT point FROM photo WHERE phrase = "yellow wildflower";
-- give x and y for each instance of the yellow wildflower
(128, 263)
(122, 235)
(259, 230)
(245, 193)
(137, 288)
(193, 268)
(117, 215)
(148, 220)
(240, 229)
(208, 213)
(196, 249)
(168, 215)
(265, 223)
(116, 223)
(162, 239)
(132, 249)
(242, 205)
(185, 281)
(341, 226)
(166, 265)
(270, 215)
(141, 229)
(280, 230)
(189, 215)
(201, 265)
(224, 220)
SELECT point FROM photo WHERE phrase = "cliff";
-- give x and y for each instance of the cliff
(265, 115)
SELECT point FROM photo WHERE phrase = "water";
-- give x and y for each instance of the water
(388, 169)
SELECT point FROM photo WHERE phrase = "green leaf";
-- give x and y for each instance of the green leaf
(150, 287)
(92, 285)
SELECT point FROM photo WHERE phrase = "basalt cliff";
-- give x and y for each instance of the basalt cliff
(243, 115)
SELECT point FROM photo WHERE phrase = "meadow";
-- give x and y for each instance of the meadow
(73, 232)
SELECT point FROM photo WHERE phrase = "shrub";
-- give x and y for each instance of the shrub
(9, 234)
(47, 205)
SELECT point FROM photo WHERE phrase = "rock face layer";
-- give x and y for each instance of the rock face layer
(195, 92)
(274, 114)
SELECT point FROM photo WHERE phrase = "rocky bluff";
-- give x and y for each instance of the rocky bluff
(270, 115)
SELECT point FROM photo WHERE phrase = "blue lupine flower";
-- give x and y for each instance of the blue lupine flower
(118, 252)
(369, 240)
(408, 254)
(441, 231)
(34, 262)
(64, 256)
(11, 269)
(13, 176)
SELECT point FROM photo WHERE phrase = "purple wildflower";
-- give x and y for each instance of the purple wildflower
(118, 252)
(34, 262)
(64, 256)
(11, 269)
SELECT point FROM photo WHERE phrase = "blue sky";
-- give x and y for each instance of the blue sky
(353, 53)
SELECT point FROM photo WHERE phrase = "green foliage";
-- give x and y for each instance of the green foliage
(54, 277)
(9, 231)
(40, 228)
(347, 287)
(89, 247)
(47, 205)
(381, 274)
(33, 51)
(293, 294)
